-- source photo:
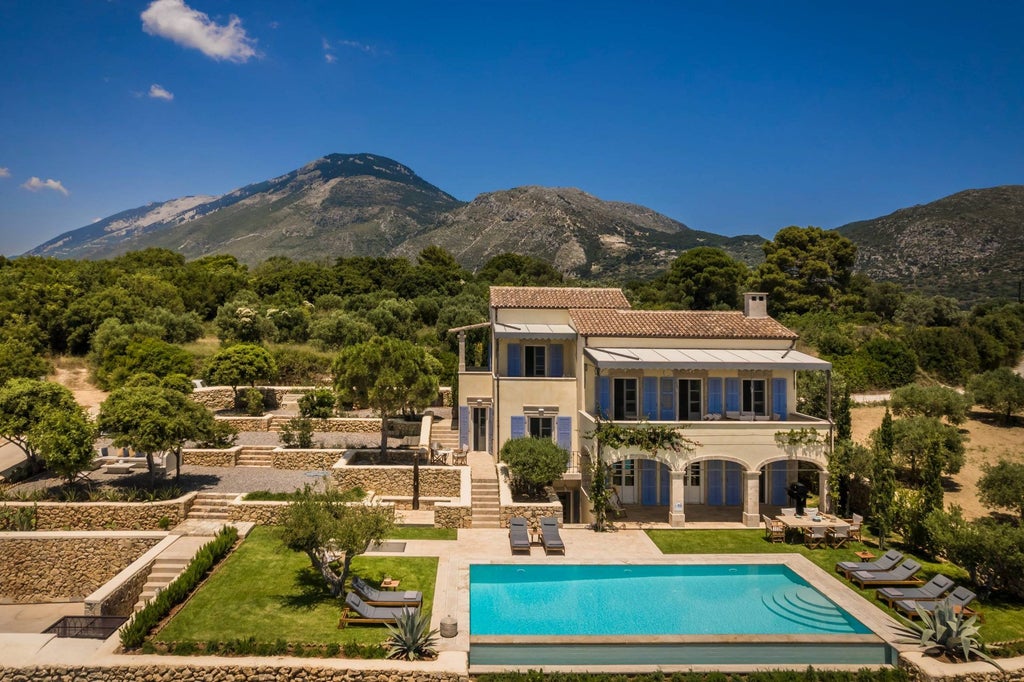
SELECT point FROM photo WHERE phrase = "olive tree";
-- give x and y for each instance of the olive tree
(23, 405)
(1000, 390)
(244, 363)
(930, 401)
(1002, 485)
(64, 439)
(325, 524)
(534, 462)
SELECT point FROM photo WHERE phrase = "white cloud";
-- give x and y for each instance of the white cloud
(5, 172)
(34, 184)
(356, 45)
(174, 20)
(330, 58)
(160, 92)
(329, 55)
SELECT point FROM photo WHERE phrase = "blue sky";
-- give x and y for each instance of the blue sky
(734, 117)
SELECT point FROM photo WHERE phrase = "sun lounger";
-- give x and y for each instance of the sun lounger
(901, 575)
(518, 535)
(958, 599)
(936, 588)
(550, 536)
(374, 597)
(359, 612)
(885, 562)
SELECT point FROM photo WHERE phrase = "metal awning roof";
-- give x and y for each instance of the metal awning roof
(533, 331)
(692, 358)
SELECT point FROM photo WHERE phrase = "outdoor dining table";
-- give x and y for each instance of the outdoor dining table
(801, 522)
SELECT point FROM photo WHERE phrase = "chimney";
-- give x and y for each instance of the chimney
(755, 304)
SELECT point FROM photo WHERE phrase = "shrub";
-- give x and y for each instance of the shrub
(534, 462)
(988, 550)
(317, 404)
(252, 399)
(297, 433)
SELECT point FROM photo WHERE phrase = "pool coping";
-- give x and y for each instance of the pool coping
(883, 627)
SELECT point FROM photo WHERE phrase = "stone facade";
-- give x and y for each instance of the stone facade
(396, 428)
(211, 458)
(108, 515)
(189, 670)
(121, 601)
(397, 480)
(306, 460)
(223, 398)
(53, 567)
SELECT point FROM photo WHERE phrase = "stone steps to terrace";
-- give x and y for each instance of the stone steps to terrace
(442, 431)
(169, 565)
(211, 506)
(486, 503)
(256, 456)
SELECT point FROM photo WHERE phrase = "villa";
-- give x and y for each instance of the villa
(562, 359)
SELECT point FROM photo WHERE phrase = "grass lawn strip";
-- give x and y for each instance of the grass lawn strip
(1004, 621)
(423, 533)
(268, 592)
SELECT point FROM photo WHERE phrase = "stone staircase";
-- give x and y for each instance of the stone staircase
(164, 571)
(442, 431)
(256, 456)
(212, 506)
(486, 502)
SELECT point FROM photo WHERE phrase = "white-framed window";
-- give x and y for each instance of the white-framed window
(540, 427)
(693, 474)
(624, 473)
(624, 399)
(753, 397)
(691, 403)
(536, 361)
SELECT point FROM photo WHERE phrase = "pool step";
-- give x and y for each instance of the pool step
(806, 606)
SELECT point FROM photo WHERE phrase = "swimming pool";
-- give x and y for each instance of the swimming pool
(663, 613)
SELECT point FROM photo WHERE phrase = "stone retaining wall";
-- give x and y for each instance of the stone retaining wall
(453, 517)
(439, 481)
(122, 601)
(211, 458)
(306, 460)
(533, 511)
(223, 398)
(108, 515)
(190, 671)
(57, 567)
(261, 513)
(396, 428)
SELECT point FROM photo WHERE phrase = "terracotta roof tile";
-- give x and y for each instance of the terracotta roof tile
(683, 324)
(557, 297)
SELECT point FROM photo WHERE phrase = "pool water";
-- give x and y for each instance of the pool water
(568, 600)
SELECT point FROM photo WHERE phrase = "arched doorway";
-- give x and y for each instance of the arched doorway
(644, 487)
(776, 477)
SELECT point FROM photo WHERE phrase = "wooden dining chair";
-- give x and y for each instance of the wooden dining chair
(814, 537)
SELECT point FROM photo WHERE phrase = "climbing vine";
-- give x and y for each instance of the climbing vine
(647, 437)
(803, 436)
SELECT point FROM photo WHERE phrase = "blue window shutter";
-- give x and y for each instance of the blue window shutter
(604, 396)
(514, 361)
(665, 492)
(668, 402)
(732, 395)
(779, 485)
(648, 482)
(555, 363)
(779, 398)
(733, 493)
(713, 473)
(464, 426)
(518, 426)
(650, 397)
(563, 432)
(715, 395)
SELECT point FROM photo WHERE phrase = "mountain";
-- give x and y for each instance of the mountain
(363, 204)
(341, 204)
(969, 245)
(575, 231)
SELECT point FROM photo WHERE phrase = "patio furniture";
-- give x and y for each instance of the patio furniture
(814, 537)
(837, 536)
(518, 535)
(615, 503)
(788, 511)
(358, 612)
(774, 531)
(901, 575)
(549, 535)
(934, 589)
(439, 456)
(811, 511)
(855, 524)
(883, 563)
(460, 457)
(374, 597)
(958, 599)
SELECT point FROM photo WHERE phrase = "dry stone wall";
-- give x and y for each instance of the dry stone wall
(108, 515)
(211, 458)
(121, 601)
(397, 480)
(190, 671)
(223, 398)
(54, 567)
(260, 513)
(453, 517)
(306, 460)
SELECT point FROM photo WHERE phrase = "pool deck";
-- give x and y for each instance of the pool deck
(451, 598)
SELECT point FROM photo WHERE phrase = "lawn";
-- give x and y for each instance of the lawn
(268, 592)
(423, 533)
(1004, 621)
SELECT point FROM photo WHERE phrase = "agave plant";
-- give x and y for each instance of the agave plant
(411, 637)
(944, 630)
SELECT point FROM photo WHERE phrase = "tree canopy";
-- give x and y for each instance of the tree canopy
(930, 401)
(24, 403)
(1000, 390)
(243, 363)
(806, 268)
(1002, 486)
(388, 375)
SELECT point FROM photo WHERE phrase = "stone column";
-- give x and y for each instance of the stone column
(823, 498)
(676, 513)
(751, 499)
(462, 351)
